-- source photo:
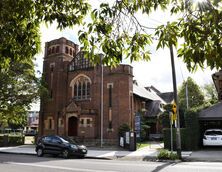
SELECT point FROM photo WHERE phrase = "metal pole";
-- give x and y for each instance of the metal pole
(171, 132)
(101, 104)
(178, 138)
(187, 96)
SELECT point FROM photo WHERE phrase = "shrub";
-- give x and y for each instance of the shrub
(165, 120)
(11, 140)
(123, 128)
(165, 154)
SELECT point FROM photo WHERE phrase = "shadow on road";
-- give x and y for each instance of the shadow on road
(160, 167)
(4, 158)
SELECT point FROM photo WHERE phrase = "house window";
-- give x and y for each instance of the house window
(57, 49)
(50, 124)
(86, 122)
(70, 51)
(49, 51)
(53, 49)
(52, 66)
(81, 88)
(67, 50)
(82, 121)
(110, 90)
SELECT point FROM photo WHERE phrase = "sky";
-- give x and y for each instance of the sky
(156, 72)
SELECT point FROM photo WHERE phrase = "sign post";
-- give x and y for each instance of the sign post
(171, 131)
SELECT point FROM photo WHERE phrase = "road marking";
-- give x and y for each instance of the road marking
(58, 167)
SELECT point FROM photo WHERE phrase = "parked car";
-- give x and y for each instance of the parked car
(212, 137)
(58, 145)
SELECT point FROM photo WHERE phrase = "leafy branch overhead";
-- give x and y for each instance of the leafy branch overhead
(115, 31)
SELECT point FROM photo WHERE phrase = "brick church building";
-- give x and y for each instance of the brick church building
(74, 85)
(74, 104)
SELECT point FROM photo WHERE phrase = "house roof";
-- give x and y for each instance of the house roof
(147, 94)
(212, 113)
(167, 97)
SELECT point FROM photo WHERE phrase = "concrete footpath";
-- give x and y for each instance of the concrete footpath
(147, 153)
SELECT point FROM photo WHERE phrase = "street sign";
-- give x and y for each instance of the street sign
(137, 125)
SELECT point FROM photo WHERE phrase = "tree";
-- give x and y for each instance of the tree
(199, 28)
(19, 41)
(115, 31)
(195, 95)
(210, 93)
(18, 87)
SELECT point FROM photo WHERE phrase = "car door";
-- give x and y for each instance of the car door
(46, 141)
(56, 145)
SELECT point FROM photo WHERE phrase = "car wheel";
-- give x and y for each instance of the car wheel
(65, 153)
(40, 152)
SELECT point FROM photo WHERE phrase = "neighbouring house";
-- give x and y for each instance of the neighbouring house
(33, 119)
(217, 79)
(74, 104)
(151, 107)
(212, 116)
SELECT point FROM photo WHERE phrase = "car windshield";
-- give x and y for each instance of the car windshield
(213, 132)
(68, 140)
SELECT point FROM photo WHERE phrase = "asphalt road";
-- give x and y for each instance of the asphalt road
(28, 163)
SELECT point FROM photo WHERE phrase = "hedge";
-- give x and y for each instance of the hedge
(11, 140)
(186, 142)
(192, 123)
(190, 136)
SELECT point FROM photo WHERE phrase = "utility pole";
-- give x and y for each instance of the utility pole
(187, 95)
(178, 137)
(101, 103)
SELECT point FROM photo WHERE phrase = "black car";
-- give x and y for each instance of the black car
(58, 145)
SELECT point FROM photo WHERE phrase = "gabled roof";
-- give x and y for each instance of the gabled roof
(146, 94)
(168, 97)
(212, 113)
(72, 107)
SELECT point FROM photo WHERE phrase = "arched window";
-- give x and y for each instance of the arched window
(53, 49)
(67, 50)
(70, 51)
(49, 51)
(81, 87)
(57, 49)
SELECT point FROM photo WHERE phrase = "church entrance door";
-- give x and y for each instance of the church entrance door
(72, 126)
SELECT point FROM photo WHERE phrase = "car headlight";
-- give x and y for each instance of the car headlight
(73, 146)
